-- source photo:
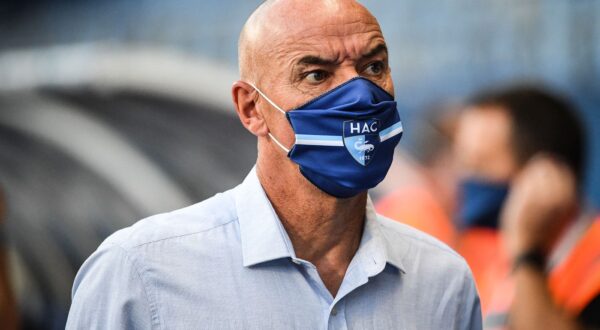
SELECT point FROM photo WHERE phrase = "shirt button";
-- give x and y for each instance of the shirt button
(334, 311)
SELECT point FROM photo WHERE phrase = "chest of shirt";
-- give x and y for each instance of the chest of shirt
(283, 295)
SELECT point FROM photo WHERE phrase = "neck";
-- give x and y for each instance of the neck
(324, 230)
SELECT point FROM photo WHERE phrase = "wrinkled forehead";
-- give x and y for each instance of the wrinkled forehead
(289, 18)
(340, 27)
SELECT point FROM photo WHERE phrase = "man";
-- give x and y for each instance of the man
(297, 244)
(522, 152)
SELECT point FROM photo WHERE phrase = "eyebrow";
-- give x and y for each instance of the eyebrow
(380, 48)
(316, 60)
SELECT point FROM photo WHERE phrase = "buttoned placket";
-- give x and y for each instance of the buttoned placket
(333, 309)
(358, 274)
(369, 260)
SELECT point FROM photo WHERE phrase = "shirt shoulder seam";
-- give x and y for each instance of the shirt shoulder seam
(183, 235)
(155, 321)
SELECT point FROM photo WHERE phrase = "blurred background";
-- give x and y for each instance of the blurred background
(114, 110)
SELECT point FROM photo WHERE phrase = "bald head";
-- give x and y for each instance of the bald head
(294, 51)
(276, 21)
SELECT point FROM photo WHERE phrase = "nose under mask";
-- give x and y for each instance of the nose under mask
(345, 138)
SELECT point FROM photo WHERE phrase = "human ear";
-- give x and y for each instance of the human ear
(244, 100)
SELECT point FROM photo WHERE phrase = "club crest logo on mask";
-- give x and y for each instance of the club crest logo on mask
(361, 138)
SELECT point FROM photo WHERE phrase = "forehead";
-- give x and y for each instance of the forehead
(483, 142)
(340, 40)
(340, 31)
(489, 121)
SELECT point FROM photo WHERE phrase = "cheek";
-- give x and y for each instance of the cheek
(287, 133)
(290, 96)
(280, 127)
(386, 83)
(389, 85)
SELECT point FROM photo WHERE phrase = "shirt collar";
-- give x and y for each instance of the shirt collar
(264, 238)
(375, 243)
(262, 234)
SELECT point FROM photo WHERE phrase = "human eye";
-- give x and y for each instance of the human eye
(375, 68)
(316, 76)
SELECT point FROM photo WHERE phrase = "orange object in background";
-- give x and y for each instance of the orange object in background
(417, 207)
(575, 282)
(482, 249)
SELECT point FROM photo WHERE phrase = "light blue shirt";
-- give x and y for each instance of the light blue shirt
(228, 263)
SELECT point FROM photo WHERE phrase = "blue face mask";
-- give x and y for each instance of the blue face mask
(345, 138)
(482, 203)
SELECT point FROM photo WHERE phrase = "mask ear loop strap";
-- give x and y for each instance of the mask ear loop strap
(267, 98)
(276, 107)
(279, 143)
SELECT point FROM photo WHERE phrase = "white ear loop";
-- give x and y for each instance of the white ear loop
(279, 143)
(276, 107)
(267, 98)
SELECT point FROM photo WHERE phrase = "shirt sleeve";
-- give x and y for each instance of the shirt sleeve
(109, 293)
(470, 315)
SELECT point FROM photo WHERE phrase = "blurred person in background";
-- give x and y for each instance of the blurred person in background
(424, 194)
(8, 305)
(532, 242)
(298, 243)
